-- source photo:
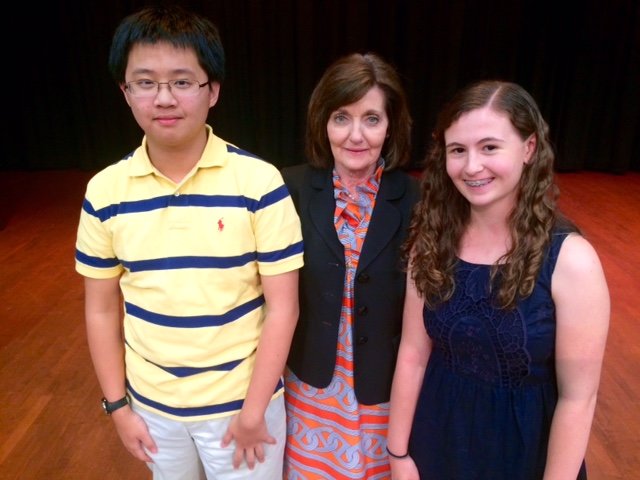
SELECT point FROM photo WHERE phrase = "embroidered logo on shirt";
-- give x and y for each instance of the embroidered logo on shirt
(220, 225)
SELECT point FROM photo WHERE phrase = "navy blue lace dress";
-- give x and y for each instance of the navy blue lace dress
(489, 392)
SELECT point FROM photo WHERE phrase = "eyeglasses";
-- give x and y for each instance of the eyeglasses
(182, 87)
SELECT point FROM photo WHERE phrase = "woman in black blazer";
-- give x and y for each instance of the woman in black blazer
(355, 204)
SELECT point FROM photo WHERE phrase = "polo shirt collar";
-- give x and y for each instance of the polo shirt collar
(213, 155)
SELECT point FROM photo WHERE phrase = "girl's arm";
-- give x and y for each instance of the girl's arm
(415, 347)
(581, 296)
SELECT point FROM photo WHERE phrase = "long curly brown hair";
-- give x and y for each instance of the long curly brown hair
(442, 214)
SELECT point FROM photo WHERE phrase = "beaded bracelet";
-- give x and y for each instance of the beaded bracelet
(391, 454)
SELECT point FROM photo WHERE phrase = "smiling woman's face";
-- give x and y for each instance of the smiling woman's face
(357, 133)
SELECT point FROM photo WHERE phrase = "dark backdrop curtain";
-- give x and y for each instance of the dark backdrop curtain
(580, 61)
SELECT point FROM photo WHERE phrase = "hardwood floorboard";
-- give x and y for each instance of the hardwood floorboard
(51, 424)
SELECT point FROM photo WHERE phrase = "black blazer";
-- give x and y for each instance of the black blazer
(379, 283)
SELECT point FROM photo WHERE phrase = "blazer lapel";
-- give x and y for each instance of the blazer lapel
(321, 209)
(386, 219)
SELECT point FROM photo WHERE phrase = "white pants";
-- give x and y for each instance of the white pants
(191, 450)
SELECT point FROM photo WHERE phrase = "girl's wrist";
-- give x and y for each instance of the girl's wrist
(393, 455)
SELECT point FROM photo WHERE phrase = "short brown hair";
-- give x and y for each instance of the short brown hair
(345, 82)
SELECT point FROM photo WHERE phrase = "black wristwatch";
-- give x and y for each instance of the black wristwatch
(110, 407)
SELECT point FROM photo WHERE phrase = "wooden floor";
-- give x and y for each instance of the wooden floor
(51, 423)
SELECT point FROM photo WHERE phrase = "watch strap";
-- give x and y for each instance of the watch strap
(110, 407)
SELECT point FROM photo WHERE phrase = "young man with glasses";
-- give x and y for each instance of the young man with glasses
(201, 243)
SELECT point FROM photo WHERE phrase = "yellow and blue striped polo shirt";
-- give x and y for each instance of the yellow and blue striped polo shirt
(190, 256)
